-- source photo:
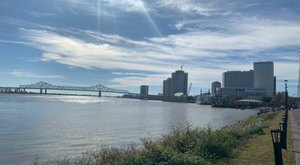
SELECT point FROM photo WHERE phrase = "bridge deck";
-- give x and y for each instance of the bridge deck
(47, 86)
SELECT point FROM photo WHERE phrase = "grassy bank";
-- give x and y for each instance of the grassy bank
(193, 146)
(258, 150)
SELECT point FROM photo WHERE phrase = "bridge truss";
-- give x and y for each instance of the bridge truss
(47, 86)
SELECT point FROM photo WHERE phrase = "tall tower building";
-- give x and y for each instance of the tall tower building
(144, 90)
(214, 86)
(167, 88)
(264, 77)
(179, 82)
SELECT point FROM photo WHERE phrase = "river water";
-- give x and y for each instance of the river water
(54, 127)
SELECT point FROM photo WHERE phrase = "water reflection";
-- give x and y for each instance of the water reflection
(56, 126)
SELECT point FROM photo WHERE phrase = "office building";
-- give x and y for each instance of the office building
(264, 77)
(240, 85)
(144, 90)
(167, 88)
(179, 83)
(238, 79)
(215, 86)
(243, 93)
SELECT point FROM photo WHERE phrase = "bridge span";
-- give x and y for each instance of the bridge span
(44, 86)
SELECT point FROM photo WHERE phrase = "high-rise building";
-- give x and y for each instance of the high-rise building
(179, 83)
(264, 77)
(144, 90)
(167, 88)
(238, 79)
(214, 87)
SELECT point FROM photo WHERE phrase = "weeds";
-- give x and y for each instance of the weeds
(181, 146)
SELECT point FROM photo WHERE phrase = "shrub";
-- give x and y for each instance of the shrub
(182, 146)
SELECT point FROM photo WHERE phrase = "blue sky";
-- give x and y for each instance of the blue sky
(126, 43)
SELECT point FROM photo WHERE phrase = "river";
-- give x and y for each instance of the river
(54, 126)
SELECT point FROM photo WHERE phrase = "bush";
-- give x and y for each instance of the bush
(181, 146)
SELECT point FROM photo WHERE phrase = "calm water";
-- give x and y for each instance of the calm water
(59, 126)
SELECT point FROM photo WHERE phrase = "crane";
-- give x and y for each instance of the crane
(190, 87)
(181, 66)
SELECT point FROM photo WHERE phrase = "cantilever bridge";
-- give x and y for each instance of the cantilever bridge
(44, 86)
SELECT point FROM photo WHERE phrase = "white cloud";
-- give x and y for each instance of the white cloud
(287, 70)
(188, 6)
(14, 42)
(79, 53)
(128, 74)
(18, 73)
(41, 14)
(135, 81)
(245, 37)
(128, 5)
(206, 53)
(108, 7)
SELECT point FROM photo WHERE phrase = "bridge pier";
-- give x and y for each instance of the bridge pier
(99, 94)
(41, 91)
(45, 91)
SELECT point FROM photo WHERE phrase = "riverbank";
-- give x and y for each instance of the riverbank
(258, 149)
(191, 146)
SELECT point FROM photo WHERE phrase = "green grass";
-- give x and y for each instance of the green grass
(187, 145)
(258, 150)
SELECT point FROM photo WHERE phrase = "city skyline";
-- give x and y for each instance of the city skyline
(124, 44)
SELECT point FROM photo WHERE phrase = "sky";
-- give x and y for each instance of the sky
(127, 43)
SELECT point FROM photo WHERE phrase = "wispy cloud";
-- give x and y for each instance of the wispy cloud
(161, 55)
(128, 74)
(207, 47)
(14, 42)
(188, 6)
(80, 53)
(106, 7)
(41, 14)
(142, 41)
(19, 73)
(128, 5)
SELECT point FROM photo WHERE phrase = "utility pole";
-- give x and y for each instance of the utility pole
(298, 87)
(286, 94)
